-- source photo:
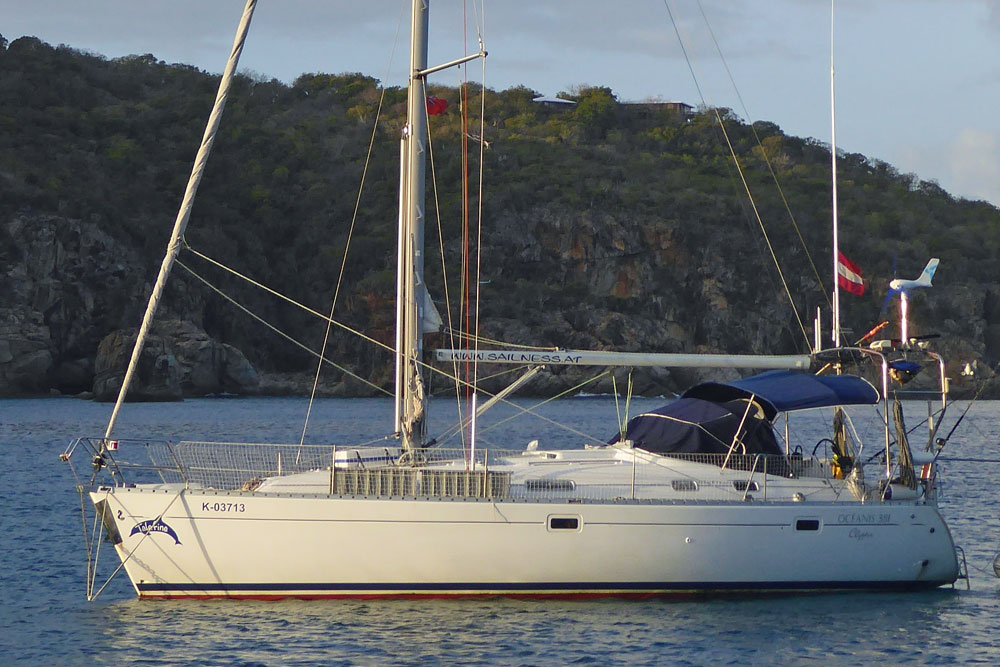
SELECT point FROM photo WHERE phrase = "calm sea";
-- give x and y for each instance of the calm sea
(47, 620)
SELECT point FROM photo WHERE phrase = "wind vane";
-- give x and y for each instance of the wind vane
(904, 287)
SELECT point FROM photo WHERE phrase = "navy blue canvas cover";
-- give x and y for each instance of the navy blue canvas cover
(784, 391)
(696, 426)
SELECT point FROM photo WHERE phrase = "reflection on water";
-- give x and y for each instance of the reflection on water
(47, 620)
(847, 628)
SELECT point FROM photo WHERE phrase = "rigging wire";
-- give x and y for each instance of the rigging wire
(463, 87)
(450, 331)
(281, 296)
(531, 410)
(739, 169)
(307, 309)
(278, 331)
(618, 410)
(467, 330)
(479, 196)
(763, 151)
(490, 341)
(350, 232)
(454, 378)
(943, 442)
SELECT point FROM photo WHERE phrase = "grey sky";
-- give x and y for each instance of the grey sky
(918, 81)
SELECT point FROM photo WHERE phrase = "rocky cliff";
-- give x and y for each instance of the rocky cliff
(66, 283)
(177, 360)
(73, 298)
(71, 289)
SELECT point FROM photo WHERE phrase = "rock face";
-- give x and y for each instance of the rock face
(25, 357)
(568, 281)
(155, 379)
(178, 359)
(65, 283)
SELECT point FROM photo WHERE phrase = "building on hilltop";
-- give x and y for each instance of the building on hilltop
(649, 107)
(554, 102)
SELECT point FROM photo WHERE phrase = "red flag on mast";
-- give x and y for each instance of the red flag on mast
(849, 275)
(435, 106)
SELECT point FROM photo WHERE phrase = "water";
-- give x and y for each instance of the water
(47, 620)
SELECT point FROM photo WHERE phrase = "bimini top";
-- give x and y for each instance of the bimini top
(786, 391)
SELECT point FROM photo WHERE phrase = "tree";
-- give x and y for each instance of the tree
(597, 110)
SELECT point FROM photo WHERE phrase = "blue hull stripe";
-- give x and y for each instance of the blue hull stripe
(537, 588)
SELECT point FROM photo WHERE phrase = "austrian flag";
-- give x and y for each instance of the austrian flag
(849, 275)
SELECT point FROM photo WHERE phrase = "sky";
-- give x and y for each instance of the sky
(917, 81)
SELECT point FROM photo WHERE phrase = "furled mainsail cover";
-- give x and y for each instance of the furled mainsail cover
(696, 426)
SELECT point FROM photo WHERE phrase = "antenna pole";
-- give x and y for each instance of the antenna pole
(833, 168)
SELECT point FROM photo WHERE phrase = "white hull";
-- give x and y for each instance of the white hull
(252, 545)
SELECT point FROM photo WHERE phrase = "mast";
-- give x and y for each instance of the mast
(833, 166)
(410, 395)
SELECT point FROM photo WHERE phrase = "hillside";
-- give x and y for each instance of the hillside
(606, 226)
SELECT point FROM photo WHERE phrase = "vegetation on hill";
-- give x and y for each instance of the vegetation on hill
(605, 224)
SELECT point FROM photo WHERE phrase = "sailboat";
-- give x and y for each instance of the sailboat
(707, 495)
